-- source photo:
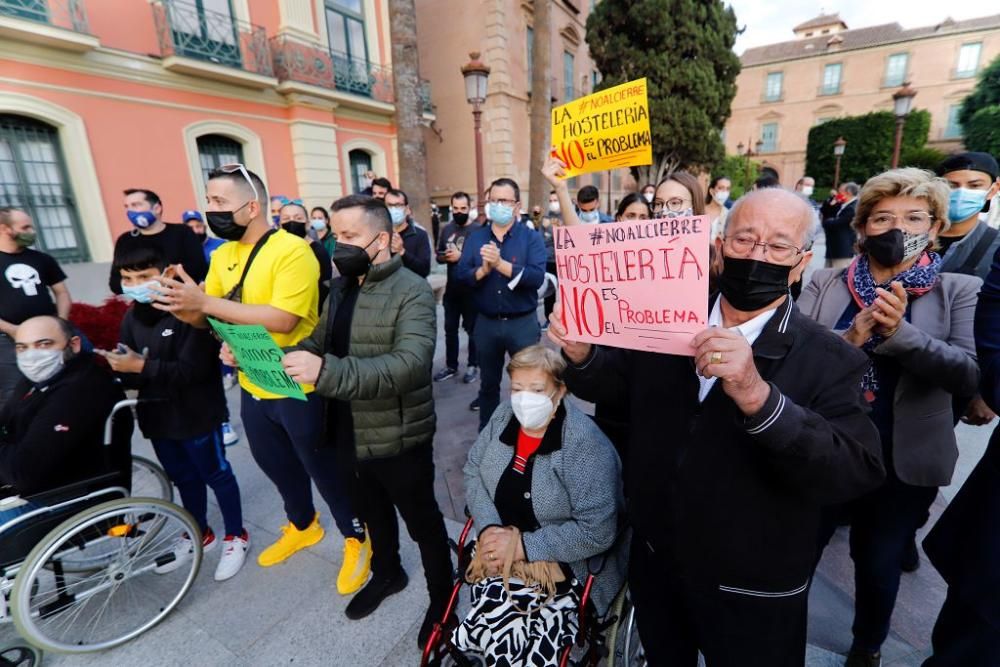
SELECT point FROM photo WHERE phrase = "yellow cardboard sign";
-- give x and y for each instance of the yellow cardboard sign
(604, 130)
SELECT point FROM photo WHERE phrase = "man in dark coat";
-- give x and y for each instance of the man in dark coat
(837, 215)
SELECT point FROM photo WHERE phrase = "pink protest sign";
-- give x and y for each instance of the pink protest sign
(640, 284)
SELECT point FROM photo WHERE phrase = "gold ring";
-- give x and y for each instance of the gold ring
(493, 556)
(716, 358)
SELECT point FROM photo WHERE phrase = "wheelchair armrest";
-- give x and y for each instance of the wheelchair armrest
(76, 489)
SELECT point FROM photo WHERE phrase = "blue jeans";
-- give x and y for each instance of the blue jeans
(195, 464)
(286, 441)
(494, 340)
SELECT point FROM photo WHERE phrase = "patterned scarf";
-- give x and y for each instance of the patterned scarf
(916, 280)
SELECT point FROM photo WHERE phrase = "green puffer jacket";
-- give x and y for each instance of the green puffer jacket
(387, 373)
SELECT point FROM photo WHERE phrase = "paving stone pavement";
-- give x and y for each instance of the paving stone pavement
(292, 613)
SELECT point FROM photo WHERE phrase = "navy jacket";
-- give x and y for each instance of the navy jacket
(525, 250)
(417, 244)
(840, 235)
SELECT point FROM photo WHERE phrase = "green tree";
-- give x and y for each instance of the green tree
(982, 133)
(985, 94)
(685, 50)
(923, 157)
(739, 172)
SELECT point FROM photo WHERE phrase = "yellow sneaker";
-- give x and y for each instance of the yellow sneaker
(357, 565)
(292, 539)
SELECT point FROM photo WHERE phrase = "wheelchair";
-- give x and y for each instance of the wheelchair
(614, 638)
(77, 570)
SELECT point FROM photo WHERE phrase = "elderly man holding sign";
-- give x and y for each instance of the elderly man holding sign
(734, 451)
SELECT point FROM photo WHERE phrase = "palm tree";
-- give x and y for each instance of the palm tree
(541, 102)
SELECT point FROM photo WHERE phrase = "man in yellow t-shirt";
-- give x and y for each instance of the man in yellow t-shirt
(280, 292)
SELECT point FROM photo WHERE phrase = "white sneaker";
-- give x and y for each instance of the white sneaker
(234, 552)
(183, 551)
(229, 435)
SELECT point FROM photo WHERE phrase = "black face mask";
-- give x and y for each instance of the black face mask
(888, 248)
(202, 236)
(224, 225)
(749, 284)
(297, 228)
(352, 261)
(460, 218)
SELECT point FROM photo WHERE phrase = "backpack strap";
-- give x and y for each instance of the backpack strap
(968, 267)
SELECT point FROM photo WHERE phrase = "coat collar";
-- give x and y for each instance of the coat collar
(551, 441)
(776, 339)
(379, 272)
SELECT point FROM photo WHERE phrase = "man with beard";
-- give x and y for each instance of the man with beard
(459, 306)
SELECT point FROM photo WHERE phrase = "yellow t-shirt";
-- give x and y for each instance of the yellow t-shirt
(284, 274)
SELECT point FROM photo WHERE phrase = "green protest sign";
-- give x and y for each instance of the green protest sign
(259, 357)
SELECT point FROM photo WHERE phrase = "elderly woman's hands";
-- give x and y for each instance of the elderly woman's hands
(861, 328)
(493, 544)
(888, 309)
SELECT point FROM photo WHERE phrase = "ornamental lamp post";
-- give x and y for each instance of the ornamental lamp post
(476, 74)
(838, 152)
(902, 100)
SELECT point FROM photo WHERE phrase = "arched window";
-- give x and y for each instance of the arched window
(215, 150)
(361, 162)
(33, 177)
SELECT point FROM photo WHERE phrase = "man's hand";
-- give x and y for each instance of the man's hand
(302, 366)
(452, 255)
(725, 354)
(181, 296)
(978, 413)
(554, 171)
(557, 333)
(491, 255)
(397, 244)
(862, 328)
(494, 543)
(227, 356)
(124, 359)
(888, 309)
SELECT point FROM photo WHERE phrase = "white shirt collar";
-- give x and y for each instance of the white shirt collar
(751, 330)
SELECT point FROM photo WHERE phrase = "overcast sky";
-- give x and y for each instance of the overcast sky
(769, 21)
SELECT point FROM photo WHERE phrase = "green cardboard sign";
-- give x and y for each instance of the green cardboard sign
(259, 357)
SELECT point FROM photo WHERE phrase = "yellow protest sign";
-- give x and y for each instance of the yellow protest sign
(605, 130)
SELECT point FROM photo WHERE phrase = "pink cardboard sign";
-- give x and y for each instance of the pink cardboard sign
(641, 284)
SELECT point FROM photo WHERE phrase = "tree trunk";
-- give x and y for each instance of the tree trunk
(656, 172)
(541, 103)
(409, 108)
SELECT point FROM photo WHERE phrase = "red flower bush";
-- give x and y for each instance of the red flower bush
(100, 323)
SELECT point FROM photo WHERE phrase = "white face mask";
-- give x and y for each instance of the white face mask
(553, 207)
(807, 190)
(648, 197)
(721, 196)
(532, 410)
(40, 365)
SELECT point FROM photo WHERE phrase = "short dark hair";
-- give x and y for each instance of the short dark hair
(326, 216)
(382, 182)
(5, 214)
(587, 194)
(236, 177)
(375, 210)
(149, 195)
(395, 192)
(139, 257)
(633, 198)
(462, 195)
(506, 183)
(766, 181)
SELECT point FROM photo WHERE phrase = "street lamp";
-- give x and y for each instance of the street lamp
(748, 154)
(476, 74)
(838, 152)
(902, 100)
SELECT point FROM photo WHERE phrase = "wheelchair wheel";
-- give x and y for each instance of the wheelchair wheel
(76, 612)
(628, 650)
(149, 480)
(20, 655)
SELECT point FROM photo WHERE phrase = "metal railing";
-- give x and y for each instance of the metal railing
(68, 14)
(425, 96)
(186, 29)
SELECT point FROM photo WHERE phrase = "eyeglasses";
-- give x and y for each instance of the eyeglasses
(913, 220)
(743, 245)
(236, 166)
(674, 204)
(504, 202)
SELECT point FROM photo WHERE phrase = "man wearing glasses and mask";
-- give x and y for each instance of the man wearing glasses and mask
(733, 453)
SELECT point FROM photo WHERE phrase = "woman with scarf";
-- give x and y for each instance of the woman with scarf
(916, 324)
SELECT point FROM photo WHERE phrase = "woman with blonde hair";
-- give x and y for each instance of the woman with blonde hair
(916, 324)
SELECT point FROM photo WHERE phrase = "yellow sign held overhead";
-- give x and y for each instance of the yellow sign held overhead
(605, 130)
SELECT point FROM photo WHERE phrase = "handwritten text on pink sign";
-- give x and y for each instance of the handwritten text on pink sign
(640, 284)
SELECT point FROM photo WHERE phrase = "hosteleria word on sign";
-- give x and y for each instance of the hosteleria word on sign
(641, 284)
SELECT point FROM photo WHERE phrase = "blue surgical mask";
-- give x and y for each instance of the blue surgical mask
(590, 217)
(144, 293)
(500, 214)
(964, 203)
(318, 224)
(276, 219)
(141, 219)
(398, 215)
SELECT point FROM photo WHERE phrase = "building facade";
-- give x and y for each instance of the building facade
(502, 31)
(829, 71)
(98, 96)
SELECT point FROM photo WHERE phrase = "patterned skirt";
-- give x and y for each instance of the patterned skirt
(520, 629)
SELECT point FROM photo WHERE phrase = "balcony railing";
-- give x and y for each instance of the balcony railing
(188, 30)
(425, 96)
(68, 14)
(772, 97)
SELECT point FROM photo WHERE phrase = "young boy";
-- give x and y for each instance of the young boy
(182, 406)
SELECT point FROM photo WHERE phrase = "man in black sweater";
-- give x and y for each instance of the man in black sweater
(459, 306)
(52, 429)
(177, 243)
(732, 454)
(409, 240)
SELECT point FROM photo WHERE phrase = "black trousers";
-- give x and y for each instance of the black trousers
(963, 638)
(406, 483)
(459, 308)
(731, 630)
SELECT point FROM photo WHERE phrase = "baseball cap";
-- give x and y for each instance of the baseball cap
(193, 214)
(971, 160)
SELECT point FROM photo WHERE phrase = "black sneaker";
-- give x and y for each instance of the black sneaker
(432, 616)
(859, 658)
(911, 557)
(445, 374)
(375, 591)
(471, 375)
(474, 406)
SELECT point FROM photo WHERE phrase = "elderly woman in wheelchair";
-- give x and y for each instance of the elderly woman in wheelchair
(543, 486)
